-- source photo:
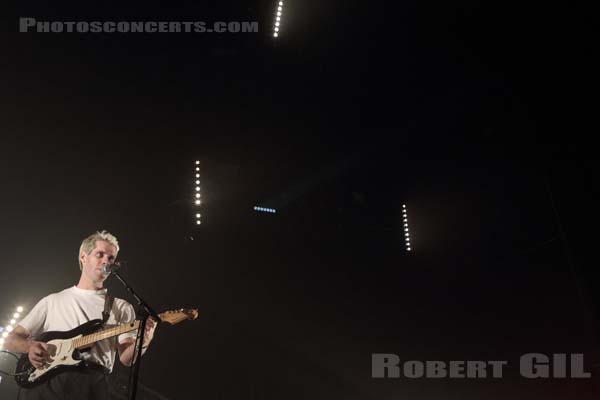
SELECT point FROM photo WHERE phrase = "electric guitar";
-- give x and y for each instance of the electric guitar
(64, 347)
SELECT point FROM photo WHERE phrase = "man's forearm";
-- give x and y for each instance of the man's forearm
(127, 355)
(17, 343)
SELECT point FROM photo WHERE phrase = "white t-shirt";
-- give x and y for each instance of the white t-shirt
(72, 307)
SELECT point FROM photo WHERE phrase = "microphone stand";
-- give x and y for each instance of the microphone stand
(144, 311)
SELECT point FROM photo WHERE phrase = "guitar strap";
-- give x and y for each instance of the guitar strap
(108, 303)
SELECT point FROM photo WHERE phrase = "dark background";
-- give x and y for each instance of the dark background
(474, 115)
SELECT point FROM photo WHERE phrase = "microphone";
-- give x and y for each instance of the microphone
(108, 269)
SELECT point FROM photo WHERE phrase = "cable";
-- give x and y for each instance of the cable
(9, 373)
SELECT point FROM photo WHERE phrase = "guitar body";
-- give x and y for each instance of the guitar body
(62, 352)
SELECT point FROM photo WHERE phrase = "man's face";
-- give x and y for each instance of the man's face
(104, 254)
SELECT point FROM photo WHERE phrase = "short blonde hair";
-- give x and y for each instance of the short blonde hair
(89, 243)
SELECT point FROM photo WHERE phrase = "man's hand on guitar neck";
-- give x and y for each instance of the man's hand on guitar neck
(149, 332)
(127, 348)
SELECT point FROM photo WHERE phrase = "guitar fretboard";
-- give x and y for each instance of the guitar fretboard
(87, 340)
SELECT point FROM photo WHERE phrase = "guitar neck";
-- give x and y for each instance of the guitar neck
(87, 340)
(171, 317)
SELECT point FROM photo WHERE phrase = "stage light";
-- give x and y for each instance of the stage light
(1, 341)
(19, 309)
(9, 328)
(13, 321)
(16, 315)
(279, 10)
(405, 220)
(264, 209)
(197, 194)
(4, 334)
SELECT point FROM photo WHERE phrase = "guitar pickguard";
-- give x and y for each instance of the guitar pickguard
(61, 353)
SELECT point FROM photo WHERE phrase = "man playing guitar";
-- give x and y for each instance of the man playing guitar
(70, 308)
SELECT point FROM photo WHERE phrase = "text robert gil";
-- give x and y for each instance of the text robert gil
(531, 365)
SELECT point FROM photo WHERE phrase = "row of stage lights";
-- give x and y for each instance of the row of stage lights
(9, 328)
(197, 196)
(405, 222)
(264, 209)
(198, 203)
(278, 19)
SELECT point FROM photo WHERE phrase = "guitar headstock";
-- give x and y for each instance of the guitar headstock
(176, 316)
